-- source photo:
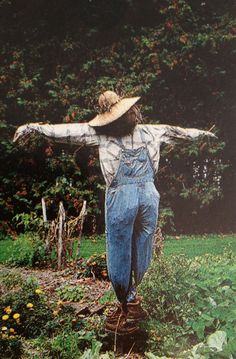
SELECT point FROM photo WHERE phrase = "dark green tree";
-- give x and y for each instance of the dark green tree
(179, 55)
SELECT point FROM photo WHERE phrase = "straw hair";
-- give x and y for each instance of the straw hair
(113, 108)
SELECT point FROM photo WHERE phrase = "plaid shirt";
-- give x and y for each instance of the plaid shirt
(109, 147)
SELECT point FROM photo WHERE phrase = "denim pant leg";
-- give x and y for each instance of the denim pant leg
(121, 211)
(144, 230)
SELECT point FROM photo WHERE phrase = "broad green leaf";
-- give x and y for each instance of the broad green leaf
(217, 340)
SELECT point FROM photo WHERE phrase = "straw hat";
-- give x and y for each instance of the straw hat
(112, 107)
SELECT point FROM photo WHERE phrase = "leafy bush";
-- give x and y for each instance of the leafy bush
(214, 347)
(215, 298)
(189, 299)
(28, 250)
(80, 340)
(24, 313)
(65, 345)
(168, 291)
(165, 338)
(29, 222)
(26, 310)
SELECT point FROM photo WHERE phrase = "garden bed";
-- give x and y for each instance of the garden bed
(190, 300)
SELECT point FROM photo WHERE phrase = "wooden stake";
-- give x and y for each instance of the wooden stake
(82, 215)
(44, 210)
(62, 217)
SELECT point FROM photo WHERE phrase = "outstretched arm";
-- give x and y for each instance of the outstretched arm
(175, 134)
(75, 133)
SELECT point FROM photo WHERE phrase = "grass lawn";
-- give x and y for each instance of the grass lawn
(193, 246)
(190, 246)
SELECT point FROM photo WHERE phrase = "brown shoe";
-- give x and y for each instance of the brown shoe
(115, 314)
(135, 312)
(120, 326)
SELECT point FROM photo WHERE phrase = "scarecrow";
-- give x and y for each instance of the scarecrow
(129, 155)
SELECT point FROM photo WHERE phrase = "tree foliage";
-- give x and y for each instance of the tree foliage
(179, 55)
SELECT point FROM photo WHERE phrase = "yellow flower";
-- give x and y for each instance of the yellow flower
(29, 305)
(4, 329)
(5, 317)
(60, 302)
(55, 312)
(16, 316)
(38, 291)
(12, 330)
(8, 309)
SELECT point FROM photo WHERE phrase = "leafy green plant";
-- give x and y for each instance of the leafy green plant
(24, 313)
(167, 289)
(215, 346)
(29, 221)
(166, 219)
(189, 299)
(216, 304)
(70, 293)
(28, 250)
(70, 342)
(66, 345)
(108, 297)
(94, 352)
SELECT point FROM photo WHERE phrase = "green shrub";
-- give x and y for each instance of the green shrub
(215, 298)
(69, 342)
(28, 250)
(29, 222)
(25, 311)
(189, 300)
(165, 338)
(65, 345)
(168, 291)
(214, 347)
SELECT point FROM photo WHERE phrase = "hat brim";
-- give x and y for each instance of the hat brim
(116, 112)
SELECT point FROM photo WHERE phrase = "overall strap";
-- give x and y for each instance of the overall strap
(120, 143)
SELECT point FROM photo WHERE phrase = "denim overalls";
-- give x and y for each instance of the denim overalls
(131, 216)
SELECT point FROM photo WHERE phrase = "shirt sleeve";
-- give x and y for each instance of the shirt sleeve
(174, 134)
(73, 133)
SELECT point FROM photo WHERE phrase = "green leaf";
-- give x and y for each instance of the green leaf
(199, 328)
(217, 340)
